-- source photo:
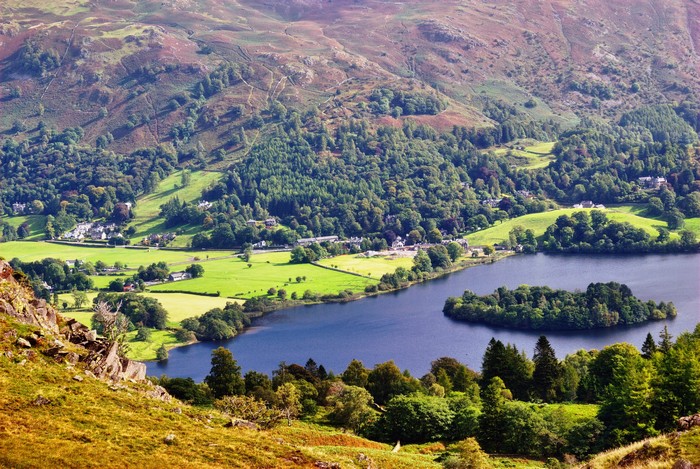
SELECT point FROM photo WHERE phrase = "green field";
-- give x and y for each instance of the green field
(37, 225)
(32, 251)
(374, 267)
(147, 208)
(178, 305)
(233, 278)
(538, 222)
(534, 155)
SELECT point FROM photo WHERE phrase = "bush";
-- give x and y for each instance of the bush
(250, 409)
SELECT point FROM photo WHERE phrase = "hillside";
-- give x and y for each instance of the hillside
(127, 68)
(58, 409)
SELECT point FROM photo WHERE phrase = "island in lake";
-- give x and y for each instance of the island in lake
(543, 308)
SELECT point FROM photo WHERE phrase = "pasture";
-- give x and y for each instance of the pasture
(239, 279)
(538, 222)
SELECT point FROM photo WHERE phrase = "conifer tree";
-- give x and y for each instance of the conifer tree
(548, 371)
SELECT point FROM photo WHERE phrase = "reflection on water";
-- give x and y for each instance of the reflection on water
(409, 327)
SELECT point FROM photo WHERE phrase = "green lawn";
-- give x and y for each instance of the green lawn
(374, 267)
(538, 222)
(233, 278)
(37, 224)
(33, 251)
(147, 208)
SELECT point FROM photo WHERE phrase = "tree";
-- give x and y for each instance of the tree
(417, 418)
(80, 298)
(162, 353)
(195, 270)
(351, 407)
(224, 379)
(143, 334)
(624, 380)
(288, 401)
(649, 346)
(455, 251)
(547, 374)
(111, 323)
(488, 250)
(422, 262)
(468, 455)
(493, 403)
(355, 374)
(251, 409)
(385, 381)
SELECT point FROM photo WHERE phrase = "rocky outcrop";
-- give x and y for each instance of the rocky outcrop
(18, 301)
(691, 421)
(100, 357)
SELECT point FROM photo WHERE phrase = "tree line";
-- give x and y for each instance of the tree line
(633, 395)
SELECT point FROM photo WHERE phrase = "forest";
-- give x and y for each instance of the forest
(587, 402)
(543, 308)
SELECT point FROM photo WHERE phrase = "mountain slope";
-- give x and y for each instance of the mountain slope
(115, 67)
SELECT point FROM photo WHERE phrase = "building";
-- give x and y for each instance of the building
(19, 208)
(177, 276)
(651, 182)
(318, 239)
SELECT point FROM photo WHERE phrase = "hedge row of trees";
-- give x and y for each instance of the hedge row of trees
(582, 232)
(543, 308)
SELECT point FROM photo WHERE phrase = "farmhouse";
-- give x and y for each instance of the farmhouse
(177, 276)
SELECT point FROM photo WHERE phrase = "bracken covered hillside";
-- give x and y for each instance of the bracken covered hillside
(125, 68)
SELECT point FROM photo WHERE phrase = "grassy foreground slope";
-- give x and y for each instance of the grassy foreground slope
(660, 452)
(91, 424)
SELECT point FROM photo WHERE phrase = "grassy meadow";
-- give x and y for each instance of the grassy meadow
(373, 267)
(131, 257)
(234, 278)
(147, 208)
(538, 222)
(534, 155)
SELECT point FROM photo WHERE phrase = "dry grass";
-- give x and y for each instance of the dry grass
(90, 424)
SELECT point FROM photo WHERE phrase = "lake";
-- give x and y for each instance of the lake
(408, 326)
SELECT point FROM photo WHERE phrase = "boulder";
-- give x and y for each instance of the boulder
(686, 423)
(169, 439)
(23, 343)
(240, 423)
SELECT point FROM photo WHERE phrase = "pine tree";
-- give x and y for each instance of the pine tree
(548, 371)
(225, 378)
(649, 347)
(666, 342)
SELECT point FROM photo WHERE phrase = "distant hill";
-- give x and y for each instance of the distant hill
(125, 69)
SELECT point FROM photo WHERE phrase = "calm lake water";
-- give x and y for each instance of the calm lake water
(409, 327)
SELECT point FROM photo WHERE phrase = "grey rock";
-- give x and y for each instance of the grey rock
(41, 400)
(78, 378)
(91, 336)
(240, 423)
(169, 439)
(23, 343)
